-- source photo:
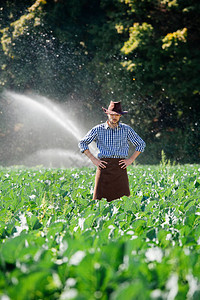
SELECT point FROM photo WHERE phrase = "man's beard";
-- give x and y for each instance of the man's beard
(113, 123)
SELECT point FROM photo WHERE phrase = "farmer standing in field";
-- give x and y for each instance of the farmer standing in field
(112, 139)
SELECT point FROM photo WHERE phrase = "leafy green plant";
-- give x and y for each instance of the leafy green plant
(58, 243)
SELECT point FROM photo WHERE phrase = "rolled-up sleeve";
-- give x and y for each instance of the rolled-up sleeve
(87, 139)
(136, 140)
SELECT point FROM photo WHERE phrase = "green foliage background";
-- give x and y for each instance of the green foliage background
(144, 53)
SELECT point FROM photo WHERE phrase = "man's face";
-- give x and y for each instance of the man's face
(113, 118)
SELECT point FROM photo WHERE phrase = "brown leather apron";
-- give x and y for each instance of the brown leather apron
(112, 182)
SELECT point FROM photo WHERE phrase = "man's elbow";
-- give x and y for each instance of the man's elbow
(83, 147)
(141, 147)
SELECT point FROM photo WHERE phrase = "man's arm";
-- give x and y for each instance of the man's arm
(83, 145)
(87, 139)
(136, 140)
(124, 163)
(97, 162)
(139, 144)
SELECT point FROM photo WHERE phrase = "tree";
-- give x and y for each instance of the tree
(162, 55)
(162, 51)
(142, 52)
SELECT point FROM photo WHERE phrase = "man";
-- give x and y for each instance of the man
(112, 139)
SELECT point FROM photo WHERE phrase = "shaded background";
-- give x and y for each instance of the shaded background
(82, 54)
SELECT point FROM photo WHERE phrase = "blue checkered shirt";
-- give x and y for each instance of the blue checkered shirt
(112, 142)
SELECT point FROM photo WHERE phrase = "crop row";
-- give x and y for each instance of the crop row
(58, 243)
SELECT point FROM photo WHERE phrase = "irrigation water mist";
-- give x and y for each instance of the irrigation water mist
(41, 132)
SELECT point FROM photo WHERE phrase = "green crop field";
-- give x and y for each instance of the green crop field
(57, 243)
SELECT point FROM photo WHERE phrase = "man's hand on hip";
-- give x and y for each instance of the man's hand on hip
(124, 163)
(99, 163)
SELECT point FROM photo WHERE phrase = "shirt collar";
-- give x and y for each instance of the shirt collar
(107, 126)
